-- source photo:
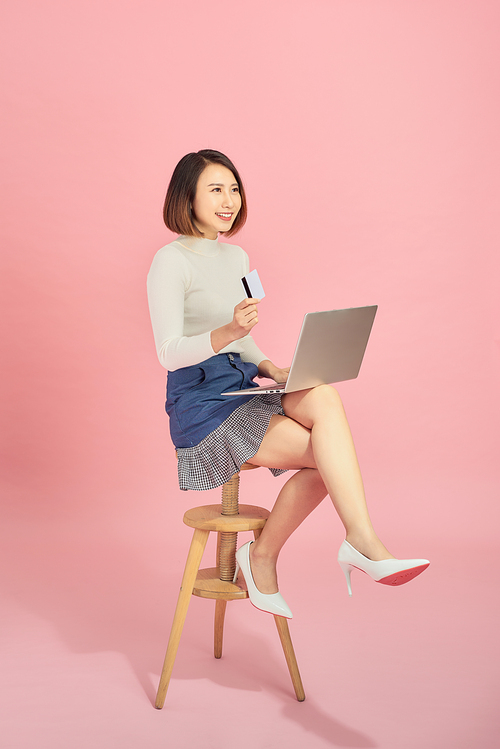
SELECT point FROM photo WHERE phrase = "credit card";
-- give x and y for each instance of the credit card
(252, 285)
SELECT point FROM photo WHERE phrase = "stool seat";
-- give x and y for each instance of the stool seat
(210, 518)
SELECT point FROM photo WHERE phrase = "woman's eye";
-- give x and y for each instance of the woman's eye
(236, 189)
(216, 189)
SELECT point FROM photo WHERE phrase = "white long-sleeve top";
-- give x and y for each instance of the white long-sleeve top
(193, 287)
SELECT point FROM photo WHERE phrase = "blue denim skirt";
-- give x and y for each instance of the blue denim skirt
(214, 434)
(194, 401)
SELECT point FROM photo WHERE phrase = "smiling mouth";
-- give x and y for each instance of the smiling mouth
(225, 216)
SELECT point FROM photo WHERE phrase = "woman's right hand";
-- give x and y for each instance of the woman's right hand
(245, 317)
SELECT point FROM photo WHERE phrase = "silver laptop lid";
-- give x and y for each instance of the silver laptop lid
(331, 347)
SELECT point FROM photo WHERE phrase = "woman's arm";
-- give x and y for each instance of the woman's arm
(168, 279)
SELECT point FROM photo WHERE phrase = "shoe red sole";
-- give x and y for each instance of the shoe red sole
(400, 578)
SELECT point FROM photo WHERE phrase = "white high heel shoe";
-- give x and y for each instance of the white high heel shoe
(273, 603)
(387, 571)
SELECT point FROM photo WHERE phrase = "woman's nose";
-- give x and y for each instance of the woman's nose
(228, 200)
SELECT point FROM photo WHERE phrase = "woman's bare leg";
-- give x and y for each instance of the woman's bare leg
(321, 411)
(316, 434)
(301, 494)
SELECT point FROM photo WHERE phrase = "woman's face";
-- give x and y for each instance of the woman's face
(217, 200)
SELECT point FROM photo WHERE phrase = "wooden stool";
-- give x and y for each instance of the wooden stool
(217, 582)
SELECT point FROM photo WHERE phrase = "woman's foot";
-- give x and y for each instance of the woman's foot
(370, 546)
(273, 603)
(386, 571)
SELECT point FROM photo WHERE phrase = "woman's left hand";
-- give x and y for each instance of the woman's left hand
(268, 369)
(280, 375)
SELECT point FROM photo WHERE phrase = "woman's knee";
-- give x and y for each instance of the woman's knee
(324, 398)
(308, 406)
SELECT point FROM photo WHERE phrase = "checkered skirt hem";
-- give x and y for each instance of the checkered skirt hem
(221, 454)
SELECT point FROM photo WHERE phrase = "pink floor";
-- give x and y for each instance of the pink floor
(86, 618)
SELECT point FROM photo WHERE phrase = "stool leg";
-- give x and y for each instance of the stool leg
(220, 613)
(291, 661)
(220, 605)
(286, 644)
(196, 550)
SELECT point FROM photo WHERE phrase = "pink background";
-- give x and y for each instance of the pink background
(367, 135)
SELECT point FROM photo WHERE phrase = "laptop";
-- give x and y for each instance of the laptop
(330, 348)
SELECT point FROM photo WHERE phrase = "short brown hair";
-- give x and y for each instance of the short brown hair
(181, 192)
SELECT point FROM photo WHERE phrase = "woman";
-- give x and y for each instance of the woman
(202, 331)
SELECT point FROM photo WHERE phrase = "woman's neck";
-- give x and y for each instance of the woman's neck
(200, 245)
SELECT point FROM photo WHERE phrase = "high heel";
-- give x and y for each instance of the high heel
(273, 603)
(386, 571)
